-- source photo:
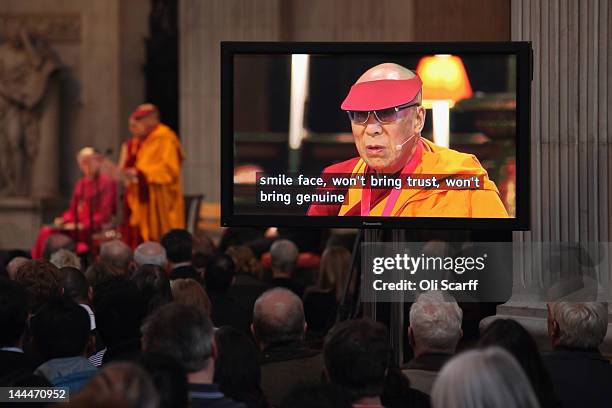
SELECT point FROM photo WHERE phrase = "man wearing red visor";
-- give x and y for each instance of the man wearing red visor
(384, 107)
(151, 166)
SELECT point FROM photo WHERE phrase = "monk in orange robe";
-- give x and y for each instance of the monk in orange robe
(154, 192)
(387, 118)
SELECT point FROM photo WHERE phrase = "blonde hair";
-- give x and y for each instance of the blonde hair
(190, 292)
(333, 269)
(245, 261)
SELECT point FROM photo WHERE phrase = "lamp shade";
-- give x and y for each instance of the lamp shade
(444, 79)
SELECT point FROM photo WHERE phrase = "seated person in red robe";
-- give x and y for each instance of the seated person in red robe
(92, 205)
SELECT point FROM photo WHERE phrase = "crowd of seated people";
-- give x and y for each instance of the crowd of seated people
(183, 324)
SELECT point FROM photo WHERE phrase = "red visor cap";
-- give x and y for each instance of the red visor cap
(141, 112)
(381, 94)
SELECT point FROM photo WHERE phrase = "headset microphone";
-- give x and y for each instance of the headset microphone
(401, 146)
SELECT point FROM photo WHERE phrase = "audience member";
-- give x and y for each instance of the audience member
(278, 328)
(190, 292)
(119, 309)
(65, 258)
(283, 261)
(41, 280)
(483, 378)
(247, 286)
(178, 244)
(117, 255)
(77, 288)
(218, 279)
(357, 355)
(7, 256)
(154, 286)
(581, 376)
(203, 251)
(397, 391)
(14, 264)
(13, 319)
(123, 383)
(169, 378)
(56, 242)
(150, 253)
(321, 301)
(97, 273)
(186, 334)
(61, 335)
(317, 396)
(511, 336)
(237, 370)
(434, 331)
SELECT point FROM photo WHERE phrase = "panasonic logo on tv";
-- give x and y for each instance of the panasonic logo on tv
(372, 223)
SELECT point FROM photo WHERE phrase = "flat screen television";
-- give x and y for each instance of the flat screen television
(376, 135)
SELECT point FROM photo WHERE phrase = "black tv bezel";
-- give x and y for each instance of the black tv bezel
(524, 55)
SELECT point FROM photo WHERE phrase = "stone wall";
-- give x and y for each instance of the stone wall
(101, 46)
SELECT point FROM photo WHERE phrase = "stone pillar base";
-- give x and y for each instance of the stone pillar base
(21, 218)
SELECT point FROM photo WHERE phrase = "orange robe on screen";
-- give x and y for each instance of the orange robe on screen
(156, 203)
(415, 202)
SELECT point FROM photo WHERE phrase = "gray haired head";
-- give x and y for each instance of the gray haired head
(278, 316)
(580, 324)
(64, 258)
(181, 331)
(483, 378)
(117, 254)
(283, 254)
(150, 253)
(435, 321)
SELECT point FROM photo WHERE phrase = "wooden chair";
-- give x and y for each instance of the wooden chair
(193, 204)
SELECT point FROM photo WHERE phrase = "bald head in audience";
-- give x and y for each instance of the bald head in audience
(118, 255)
(150, 253)
(278, 316)
(14, 265)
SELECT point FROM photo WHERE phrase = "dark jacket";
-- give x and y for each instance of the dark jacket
(209, 396)
(581, 378)
(185, 272)
(423, 370)
(286, 365)
(245, 290)
(227, 312)
(287, 283)
(13, 365)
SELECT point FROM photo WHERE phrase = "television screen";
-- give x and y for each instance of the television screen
(377, 135)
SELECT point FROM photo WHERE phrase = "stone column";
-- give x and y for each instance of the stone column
(203, 25)
(571, 142)
(45, 172)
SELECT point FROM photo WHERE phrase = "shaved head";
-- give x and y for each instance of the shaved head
(278, 316)
(388, 70)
